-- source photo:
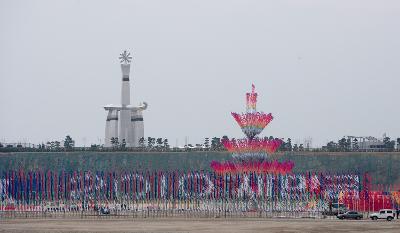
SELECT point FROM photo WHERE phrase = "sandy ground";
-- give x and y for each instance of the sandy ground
(197, 225)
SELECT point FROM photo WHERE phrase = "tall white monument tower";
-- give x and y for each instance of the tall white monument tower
(124, 122)
(125, 113)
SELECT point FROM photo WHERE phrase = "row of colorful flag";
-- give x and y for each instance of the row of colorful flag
(30, 186)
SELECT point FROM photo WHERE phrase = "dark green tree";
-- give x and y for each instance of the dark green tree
(389, 145)
(114, 142)
(57, 145)
(342, 144)
(295, 147)
(151, 142)
(215, 143)
(142, 143)
(166, 145)
(94, 147)
(332, 146)
(48, 145)
(283, 145)
(301, 147)
(355, 145)
(68, 143)
(159, 143)
(289, 144)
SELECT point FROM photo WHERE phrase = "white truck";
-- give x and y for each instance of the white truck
(387, 214)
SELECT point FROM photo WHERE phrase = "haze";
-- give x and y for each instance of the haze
(323, 68)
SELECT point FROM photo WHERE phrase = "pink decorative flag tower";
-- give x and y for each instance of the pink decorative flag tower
(251, 153)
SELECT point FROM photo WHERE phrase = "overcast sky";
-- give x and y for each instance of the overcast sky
(324, 69)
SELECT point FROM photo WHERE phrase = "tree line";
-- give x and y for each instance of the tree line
(209, 144)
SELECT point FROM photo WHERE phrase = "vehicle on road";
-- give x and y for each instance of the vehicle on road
(387, 214)
(350, 215)
(52, 207)
(104, 210)
(335, 209)
(73, 207)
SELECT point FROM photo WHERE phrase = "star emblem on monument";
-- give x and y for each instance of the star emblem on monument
(125, 57)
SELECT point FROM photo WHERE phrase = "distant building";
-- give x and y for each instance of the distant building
(17, 145)
(370, 145)
(367, 143)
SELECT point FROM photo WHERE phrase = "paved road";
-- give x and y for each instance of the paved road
(197, 225)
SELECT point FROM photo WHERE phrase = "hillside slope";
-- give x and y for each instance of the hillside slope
(383, 167)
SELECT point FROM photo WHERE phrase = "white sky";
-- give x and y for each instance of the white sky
(323, 68)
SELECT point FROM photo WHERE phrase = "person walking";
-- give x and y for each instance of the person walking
(397, 212)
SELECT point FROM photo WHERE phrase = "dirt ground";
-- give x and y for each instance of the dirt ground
(197, 225)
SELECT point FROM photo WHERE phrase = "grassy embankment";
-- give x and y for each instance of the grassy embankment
(383, 167)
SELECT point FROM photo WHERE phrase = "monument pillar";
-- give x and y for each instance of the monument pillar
(114, 124)
(137, 127)
(107, 138)
(125, 113)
